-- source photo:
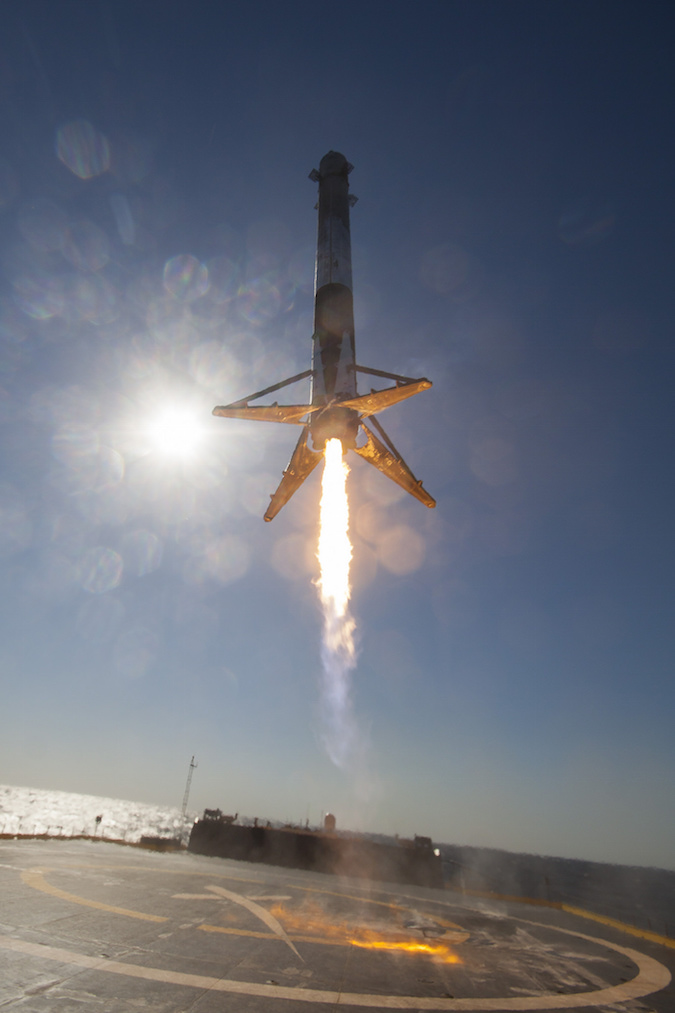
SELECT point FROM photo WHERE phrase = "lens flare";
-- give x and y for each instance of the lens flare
(83, 149)
(338, 651)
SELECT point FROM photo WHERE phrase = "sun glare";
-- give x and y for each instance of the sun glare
(177, 432)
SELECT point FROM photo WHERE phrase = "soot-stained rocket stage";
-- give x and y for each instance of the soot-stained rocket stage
(335, 409)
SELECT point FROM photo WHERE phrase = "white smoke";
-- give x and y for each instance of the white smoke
(338, 653)
(340, 733)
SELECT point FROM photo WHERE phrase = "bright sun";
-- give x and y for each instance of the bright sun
(176, 432)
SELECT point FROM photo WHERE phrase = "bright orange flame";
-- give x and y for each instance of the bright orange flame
(439, 951)
(335, 550)
(310, 924)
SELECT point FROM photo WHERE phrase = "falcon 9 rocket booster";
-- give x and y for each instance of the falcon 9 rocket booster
(335, 409)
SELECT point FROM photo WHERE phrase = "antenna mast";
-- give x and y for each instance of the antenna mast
(187, 785)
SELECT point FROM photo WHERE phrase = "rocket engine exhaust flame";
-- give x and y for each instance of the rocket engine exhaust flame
(310, 924)
(338, 652)
(335, 550)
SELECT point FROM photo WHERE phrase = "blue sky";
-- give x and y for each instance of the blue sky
(512, 242)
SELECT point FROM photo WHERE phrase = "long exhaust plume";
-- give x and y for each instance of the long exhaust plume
(338, 652)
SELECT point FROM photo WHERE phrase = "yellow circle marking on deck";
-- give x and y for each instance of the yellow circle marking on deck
(35, 878)
(651, 977)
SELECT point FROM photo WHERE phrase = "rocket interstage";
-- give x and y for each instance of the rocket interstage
(335, 409)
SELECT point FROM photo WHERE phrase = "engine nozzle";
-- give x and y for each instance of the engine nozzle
(334, 423)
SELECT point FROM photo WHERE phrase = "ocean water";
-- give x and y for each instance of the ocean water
(639, 896)
(35, 811)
